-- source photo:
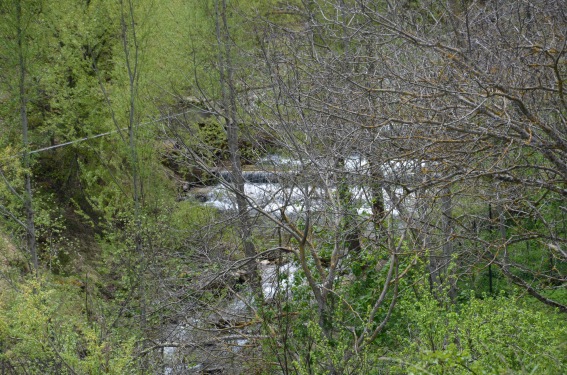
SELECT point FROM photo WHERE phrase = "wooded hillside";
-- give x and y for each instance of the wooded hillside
(283, 187)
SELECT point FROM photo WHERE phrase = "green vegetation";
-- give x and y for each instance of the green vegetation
(407, 213)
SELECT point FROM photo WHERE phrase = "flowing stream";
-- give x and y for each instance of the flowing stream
(273, 190)
(208, 341)
(275, 187)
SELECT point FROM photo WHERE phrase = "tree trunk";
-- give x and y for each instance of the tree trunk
(349, 224)
(131, 49)
(447, 228)
(28, 196)
(226, 72)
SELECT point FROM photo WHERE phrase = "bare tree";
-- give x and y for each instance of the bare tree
(403, 123)
(228, 93)
(467, 100)
(474, 94)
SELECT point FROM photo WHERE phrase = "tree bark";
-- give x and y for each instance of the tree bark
(228, 92)
(28, 196)
(448, 249)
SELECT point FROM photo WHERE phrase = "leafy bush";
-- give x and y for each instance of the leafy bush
(44, 329)
(500, 335)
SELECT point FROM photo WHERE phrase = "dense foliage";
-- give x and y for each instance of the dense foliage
(283, 187)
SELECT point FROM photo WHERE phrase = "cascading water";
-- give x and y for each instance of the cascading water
(272, 191)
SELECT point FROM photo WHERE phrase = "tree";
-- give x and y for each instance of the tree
(63, 107)
(452, 114)
(460, 128)
(228, 98)
(480, 94)
(18, 40)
